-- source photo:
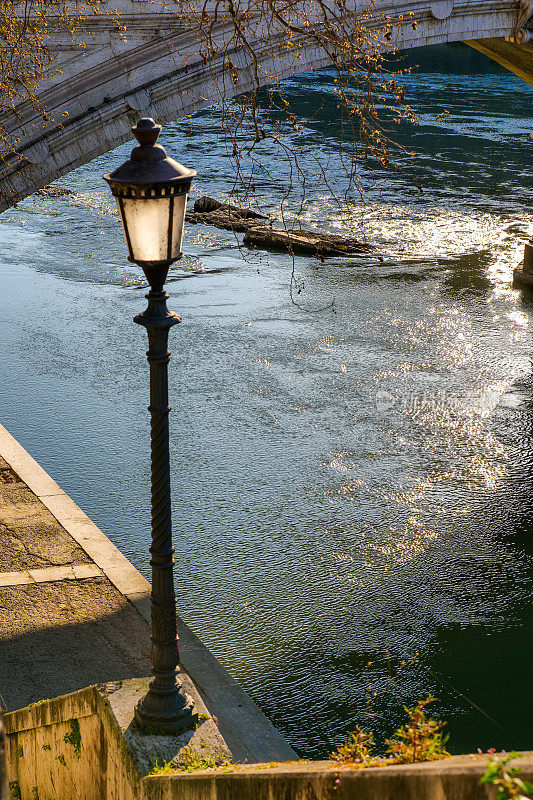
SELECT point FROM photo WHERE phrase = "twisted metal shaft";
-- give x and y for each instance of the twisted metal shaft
(165, 707)
(165, 653)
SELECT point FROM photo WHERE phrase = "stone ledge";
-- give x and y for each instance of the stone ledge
(50, 712)
(455, 778)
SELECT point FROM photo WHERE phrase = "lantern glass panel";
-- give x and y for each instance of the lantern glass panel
(180, 203)
(146, 224)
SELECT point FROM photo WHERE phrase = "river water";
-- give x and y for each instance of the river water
(352, 492)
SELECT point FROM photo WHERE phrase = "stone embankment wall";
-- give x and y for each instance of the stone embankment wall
(68, 748)
(77, 747)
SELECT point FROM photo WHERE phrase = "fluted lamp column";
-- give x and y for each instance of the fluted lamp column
(151, 193)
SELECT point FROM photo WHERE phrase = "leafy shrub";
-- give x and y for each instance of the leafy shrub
(510, 786)
(357, 747)
(421, 739)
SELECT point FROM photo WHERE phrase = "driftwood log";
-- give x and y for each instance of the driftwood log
(259, 232)
(223, 215)
(53, 191)
(321, 245)
(206, 204)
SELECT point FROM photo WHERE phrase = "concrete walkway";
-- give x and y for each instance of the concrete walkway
(75, 612)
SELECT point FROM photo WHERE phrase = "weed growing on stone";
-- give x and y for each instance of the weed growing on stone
(192, 762)
(505, 778)
(421, 739)
(163, 769)
(38, 702)
(357, 748)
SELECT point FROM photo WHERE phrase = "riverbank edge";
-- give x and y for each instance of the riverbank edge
(244, 726)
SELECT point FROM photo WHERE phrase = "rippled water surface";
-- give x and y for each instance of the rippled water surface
(350, 489)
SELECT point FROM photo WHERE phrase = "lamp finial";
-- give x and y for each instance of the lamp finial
(146, 131)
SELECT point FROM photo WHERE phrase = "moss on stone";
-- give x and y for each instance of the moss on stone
(14, 790)
(74, 737)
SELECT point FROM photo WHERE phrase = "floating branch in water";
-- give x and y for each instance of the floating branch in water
(260, 235)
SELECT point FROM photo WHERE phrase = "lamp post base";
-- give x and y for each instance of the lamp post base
(166, 711)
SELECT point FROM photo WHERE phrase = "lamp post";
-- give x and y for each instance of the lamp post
(151, 193)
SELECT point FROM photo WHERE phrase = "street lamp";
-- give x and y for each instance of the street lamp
(151, 194)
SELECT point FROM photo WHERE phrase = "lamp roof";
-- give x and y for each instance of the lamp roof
(149, 163)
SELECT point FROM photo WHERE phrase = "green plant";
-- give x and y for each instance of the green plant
(61, 759)
(20, 752)
(510, 786)
(14, 789)
(34, 793)
(421, 739)
(356, 748)
(164, 769)
(193, 762)
(74, 737)
(46, 747)
(38, 702)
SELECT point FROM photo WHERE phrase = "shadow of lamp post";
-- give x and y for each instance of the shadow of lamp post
(151, 193)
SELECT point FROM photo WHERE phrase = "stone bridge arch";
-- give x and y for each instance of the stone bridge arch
(157, 70)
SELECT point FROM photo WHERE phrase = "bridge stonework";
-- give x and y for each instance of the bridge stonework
(156, 69)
